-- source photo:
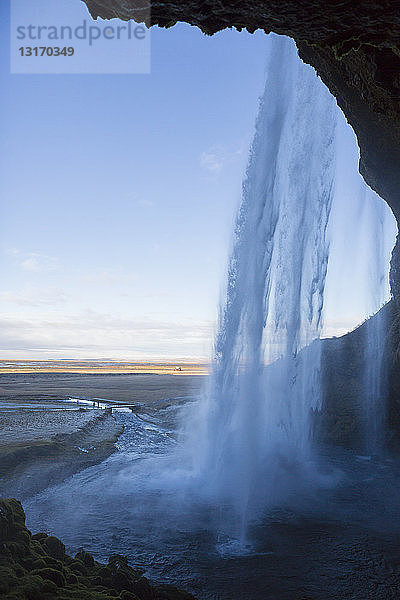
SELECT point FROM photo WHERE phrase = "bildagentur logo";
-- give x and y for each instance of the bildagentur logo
(61, 37)
(84, 32)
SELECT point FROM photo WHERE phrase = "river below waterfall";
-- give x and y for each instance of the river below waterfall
(340, 541)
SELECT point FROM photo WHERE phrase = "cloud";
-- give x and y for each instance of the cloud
(145, 203)
(139, 200)
(211, 161)
(34, 297)
(108, 277)
(33, 261)
(217, 157)
(97, 335)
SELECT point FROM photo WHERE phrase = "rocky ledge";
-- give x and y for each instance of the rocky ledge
(36, 567)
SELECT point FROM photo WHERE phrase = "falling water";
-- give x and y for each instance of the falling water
(255, 432)
(362, 230)
(375, 373)
(375, 384)
(252, 444)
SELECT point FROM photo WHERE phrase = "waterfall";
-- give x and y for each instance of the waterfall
(250, 440)
(254, 435)
(375, 384)
(375, 374)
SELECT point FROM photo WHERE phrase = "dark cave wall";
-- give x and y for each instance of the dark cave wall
(369, 95)
(344, 364)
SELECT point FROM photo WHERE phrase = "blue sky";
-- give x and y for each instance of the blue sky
(118, 198)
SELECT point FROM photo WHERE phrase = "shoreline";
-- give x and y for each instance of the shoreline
(42, 447)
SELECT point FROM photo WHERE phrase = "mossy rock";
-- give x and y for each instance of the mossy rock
(86, 558)
(36, 567)
(8, 580)
(78, 568)
(170, 592)
(39, 536)
(127, 596)
(54, 547)
(52, 575)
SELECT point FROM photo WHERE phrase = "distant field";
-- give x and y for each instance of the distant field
(105, 367)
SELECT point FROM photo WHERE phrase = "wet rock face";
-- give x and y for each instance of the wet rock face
(355, 47)
(365, 83)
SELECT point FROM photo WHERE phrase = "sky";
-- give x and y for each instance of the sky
(118, 198)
